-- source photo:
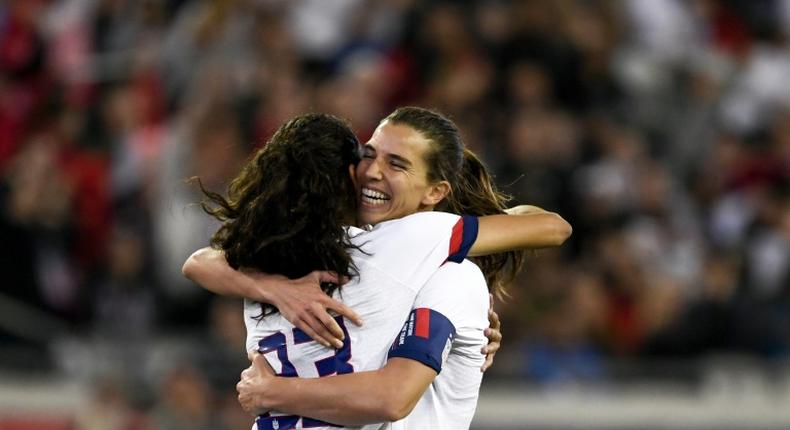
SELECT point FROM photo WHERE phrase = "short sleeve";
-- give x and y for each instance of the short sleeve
(453, 303)
(426, 336)
(412, 248)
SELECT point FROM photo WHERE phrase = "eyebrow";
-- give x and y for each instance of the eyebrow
(393, 157)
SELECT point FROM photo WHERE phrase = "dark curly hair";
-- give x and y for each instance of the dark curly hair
(285, 212)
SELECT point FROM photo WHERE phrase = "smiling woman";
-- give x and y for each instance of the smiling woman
(406, 170)
(402, 171)
(392, 175)
(413, 162)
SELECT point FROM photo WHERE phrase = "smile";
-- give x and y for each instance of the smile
(373, 197)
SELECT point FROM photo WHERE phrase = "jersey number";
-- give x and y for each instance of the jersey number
(334, 364)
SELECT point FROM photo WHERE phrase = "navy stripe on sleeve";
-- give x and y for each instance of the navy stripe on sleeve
(424, 337)
(466, 235)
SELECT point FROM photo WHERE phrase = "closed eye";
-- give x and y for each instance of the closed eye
(399, 163)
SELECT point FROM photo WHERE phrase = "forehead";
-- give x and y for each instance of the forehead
(400, 140)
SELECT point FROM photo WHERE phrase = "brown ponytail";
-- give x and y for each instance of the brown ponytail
(475, 194)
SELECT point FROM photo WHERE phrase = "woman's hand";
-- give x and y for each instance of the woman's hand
(494, 335)
(255, 385)
(303, 303)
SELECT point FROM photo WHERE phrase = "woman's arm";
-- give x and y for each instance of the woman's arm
(301, 301)
(450, 307)
(387, 394)
(208, 268)
(524, 227)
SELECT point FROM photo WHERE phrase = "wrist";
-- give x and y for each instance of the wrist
(258, 288)
(273, 398)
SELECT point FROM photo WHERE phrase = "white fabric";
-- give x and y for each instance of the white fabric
(398, 259)
(459, 292)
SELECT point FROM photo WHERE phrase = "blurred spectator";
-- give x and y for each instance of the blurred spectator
(562, 350)
(659, 128)
(125, 299)
(111, 408)
(221, 356)
(185, 402)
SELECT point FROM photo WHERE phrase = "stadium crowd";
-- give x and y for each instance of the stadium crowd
(659, 128)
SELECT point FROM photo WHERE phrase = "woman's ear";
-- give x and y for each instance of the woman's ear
(436, 193)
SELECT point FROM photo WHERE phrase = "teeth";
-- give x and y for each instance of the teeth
(372, 202)
(373, 197)
(373, 194)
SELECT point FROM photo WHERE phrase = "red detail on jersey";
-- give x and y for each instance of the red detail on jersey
(457, 238)
(422, 325)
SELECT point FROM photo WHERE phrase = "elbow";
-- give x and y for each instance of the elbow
(394, 412)
(563, 231)
(397, 406)
(191, 267)
(387, 403)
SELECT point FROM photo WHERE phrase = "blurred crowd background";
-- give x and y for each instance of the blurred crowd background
(659, 128)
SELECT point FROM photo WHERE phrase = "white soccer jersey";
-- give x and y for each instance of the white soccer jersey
(455, 300)
(396, 259)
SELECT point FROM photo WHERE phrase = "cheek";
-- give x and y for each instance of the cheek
(408, 192)
(397, 186)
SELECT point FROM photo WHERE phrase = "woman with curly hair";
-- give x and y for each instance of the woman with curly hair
(282, 221)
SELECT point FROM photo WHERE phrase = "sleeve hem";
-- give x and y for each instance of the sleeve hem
(417, 355)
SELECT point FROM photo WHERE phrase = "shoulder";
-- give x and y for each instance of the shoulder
(420, 220)
(430, 226)
(456, 288)
(465, 269)
(416, 230)
(466, 275)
